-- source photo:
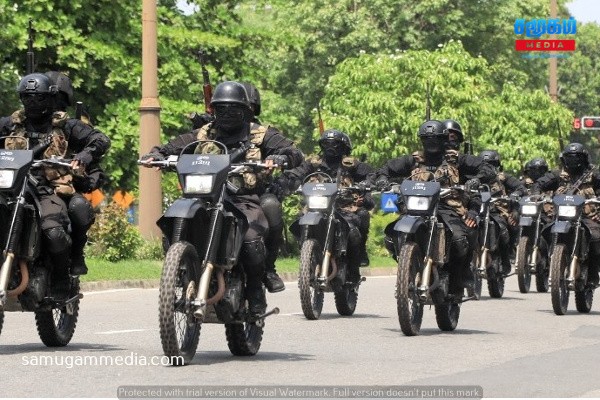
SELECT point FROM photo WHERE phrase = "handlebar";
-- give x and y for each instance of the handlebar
(54, 161)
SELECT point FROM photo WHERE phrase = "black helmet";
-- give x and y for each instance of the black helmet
(230, 92)
(63, 86)
(232, 106)
(491, 157)
(454, 127)
(335, 143)
(536, 168)
(37, 93)
(575, 157)
(434, 137)
(254, 97)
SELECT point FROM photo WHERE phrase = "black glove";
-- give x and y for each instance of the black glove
(199, 120)
(472, 184)
(515, 196)
(155, 156)
(472, 214)
(279, 159)
(364, 186)
(84, 158)
(382, 183)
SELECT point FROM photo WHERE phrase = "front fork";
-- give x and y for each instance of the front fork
(324, 276)
(11, 243)
(574, 265)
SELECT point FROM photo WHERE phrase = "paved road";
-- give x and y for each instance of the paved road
(512, 347)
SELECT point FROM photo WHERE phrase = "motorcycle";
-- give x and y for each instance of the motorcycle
(423, 256)
(490, 263)
(532, 250)
(323, 234)
(203, 278)
(26, 271)
(569, 259)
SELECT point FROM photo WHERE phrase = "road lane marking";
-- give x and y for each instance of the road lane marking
(122, 331)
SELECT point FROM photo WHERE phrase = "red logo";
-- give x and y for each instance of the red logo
(545, 45)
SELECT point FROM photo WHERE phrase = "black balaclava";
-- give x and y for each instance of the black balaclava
(230, 117)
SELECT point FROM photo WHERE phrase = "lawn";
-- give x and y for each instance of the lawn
(100, 270)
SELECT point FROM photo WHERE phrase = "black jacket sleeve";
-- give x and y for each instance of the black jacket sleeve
(548, 182)
(514, 185)
(470, 166)
(175, 145)
(274, 143)
(394, 170)
(85, 141)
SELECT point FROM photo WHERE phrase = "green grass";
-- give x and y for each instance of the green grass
(100, 270)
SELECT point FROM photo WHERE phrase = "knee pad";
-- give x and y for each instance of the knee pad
(253, 254)
(57, 240)
(80, 211)
(272, 209)
(460, 247)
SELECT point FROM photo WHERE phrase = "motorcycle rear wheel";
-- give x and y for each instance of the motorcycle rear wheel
(179, 329)
(523, 256)
(542, 281)
(410, 308)
(311, 297)
(244, 339)
(57, 326)
(446, 316)
(558, 279)
(584, 299)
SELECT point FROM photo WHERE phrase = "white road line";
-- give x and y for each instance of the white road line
(118, 332)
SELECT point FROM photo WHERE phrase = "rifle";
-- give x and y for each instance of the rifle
(82, 114)
(561, 143)
(206, 87)
(30, 55)
(428, 106)
(584, 177)
(321, 125)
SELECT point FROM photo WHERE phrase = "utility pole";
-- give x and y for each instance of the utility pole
(553, 61)
(150, 201)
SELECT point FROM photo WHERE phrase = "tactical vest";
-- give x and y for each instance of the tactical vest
(60, 178)
(446, 173)
(246, 178)
(352, 203)
(585, 189)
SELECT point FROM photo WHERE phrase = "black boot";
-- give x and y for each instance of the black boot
(78, 266)
(257, 302)
(273, 242)
(61, 282)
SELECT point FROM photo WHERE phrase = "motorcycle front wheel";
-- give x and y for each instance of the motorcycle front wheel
(410, 308)
(495, 281)
(179, 329)
(345, 300)
(522, 265)
(1, 320)
(558, 278)
(475, 290)
(311, 296)
(57, 325)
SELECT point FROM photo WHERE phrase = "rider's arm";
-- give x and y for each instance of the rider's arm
(87, 142)
(514, 185)
(548, 182)
(392, 170)
(470, 166)
(175, 145)
(275, 143)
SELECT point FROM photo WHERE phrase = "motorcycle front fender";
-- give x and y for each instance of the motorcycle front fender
(525, 221)
(408, 224)
(561, 227)
(181, 208)
(311, 218)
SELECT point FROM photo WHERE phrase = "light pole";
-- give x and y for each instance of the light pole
(150, 201)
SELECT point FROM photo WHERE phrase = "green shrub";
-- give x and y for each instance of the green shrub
(112, 237)
(375, 244)
(150, 250)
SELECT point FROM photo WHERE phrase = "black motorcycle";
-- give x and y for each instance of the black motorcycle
(203, 278)
(532, 250)
(423, 258)
(490, 263)
(569, 259)
(323, 235)
(26, 272)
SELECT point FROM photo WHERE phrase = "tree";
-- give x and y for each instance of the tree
(380, 101)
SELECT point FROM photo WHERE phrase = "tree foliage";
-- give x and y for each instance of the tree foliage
(380, 101)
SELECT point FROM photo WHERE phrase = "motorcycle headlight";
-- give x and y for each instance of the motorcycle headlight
(201, 184)
(317, 202)
(567, 211)
(418, 203)
(6, 178)
(529, 209)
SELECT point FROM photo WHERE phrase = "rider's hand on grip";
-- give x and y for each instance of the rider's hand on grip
(472, 184)
(470, 219)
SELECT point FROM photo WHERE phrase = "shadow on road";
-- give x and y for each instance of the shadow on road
(71, 348)
(220, 357)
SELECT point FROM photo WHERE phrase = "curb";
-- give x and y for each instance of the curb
(288, 277)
